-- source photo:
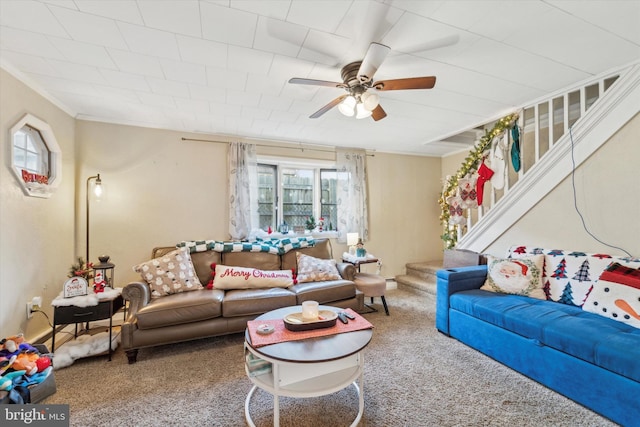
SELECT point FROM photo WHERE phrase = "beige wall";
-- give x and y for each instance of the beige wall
(607, 188)
(160, 190)
(36, 234)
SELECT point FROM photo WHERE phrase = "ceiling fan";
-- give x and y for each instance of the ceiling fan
(358, 79)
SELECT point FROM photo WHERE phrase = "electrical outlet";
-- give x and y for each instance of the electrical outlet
(34, 304)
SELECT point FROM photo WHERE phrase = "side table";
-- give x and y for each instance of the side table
(68, 314)
(359, 261)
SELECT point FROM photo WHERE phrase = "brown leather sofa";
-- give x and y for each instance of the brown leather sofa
(204, 313)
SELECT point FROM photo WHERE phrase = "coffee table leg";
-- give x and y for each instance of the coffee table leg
(246, 407)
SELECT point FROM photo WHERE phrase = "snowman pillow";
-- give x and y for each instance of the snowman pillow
(169, 274)
(616, 295)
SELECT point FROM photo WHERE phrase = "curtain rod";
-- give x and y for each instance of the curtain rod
(291, 147)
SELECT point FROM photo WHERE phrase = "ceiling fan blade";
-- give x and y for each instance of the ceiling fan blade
(327, 107)
(378, 113)
(372, 60)
(408, 83)
(301, 81)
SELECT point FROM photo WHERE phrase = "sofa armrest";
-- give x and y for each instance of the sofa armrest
(450, 281)
(346, 270)
(138, 294)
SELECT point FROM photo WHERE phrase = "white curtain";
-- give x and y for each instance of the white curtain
(353, 212)
(243, 189)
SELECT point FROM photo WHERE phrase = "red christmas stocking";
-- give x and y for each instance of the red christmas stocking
(484, 175)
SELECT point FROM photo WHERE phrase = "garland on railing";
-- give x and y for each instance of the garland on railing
(469, 166)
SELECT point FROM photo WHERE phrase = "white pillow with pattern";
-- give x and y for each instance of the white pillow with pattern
(169, 274)
(311, 269)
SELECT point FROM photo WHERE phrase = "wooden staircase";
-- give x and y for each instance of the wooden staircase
(421, 276)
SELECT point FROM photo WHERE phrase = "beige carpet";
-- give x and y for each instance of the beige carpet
(414, 376)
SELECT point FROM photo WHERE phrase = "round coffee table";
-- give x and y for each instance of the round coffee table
(310, 367)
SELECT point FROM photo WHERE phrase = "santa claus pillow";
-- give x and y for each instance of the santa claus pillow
(520, 276)
(616, 295)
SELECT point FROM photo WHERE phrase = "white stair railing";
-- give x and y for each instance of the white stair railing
(544, 128)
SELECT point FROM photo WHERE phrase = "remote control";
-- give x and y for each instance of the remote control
(349, 315)
(342, 317)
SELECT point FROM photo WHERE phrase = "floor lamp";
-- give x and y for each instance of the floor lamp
(98, 192)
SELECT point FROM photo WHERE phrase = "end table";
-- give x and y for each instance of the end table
(68, 314)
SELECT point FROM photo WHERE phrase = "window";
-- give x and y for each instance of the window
(292, 193)
(30, 152)
(35, 156)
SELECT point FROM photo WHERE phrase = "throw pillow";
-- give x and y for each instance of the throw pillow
(230, 277)
(520, 276)
(616, 295)
(569, 275)
(311, 269)
(169, 274)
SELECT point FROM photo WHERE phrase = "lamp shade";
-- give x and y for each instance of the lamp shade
(362, 112)
(370, 101)
(352, 239)
(347, 106)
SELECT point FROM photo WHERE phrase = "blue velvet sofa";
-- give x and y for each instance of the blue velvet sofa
(586, 357)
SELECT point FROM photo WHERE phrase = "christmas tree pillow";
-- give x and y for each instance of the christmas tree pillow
(521, 276)
(616, 295)
(569, 275)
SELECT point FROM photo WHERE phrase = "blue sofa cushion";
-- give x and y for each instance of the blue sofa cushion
(603, 342)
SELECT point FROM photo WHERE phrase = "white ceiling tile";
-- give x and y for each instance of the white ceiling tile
(55, 84)
(30, 15)
(78, 72)
(465, 13)
(83, 53)
(199, 51)
(87, 28)
(368, 21)
(28, 43)
(501, 26)
(125, 80)
(166, 87)
(30, 63)
(69, 4)
(156, 100)
(176, 16)
(264, 84)
(619, 17)
(325, 48)
(323, 15)
(192, 105)
(284, 116)
(120, 10)
(271, 102)
(277, 9)
(116, 94)
(226, 25)
(150, 41)
(279, 37)
(208, 93)
(217, 77)
(247, 60)
(243, 98)
(136, 63)
(220, 110)
(284, 67)
(255, 113)
(184, 72)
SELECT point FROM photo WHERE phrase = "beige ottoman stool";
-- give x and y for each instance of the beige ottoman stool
(372, 285)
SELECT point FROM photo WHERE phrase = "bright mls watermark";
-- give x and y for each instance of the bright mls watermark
(34, 415)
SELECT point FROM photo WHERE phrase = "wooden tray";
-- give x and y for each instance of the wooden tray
(295, 322)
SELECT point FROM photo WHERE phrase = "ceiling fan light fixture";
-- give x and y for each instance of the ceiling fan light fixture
(370, 101)
(347, 106)
(362, 112)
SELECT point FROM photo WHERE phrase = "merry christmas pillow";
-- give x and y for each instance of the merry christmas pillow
(229, 277)
(616, 295)
(521, 276)
(169, 274)
(311, 269)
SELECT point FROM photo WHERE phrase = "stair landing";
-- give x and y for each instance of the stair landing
(421, 276)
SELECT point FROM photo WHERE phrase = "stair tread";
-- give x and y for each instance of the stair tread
(424, 285)
(426, 266)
